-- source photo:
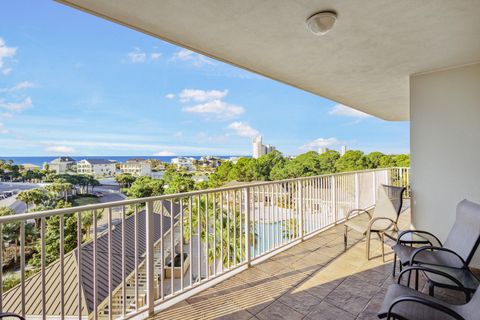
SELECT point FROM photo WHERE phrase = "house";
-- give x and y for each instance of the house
(96, 167)
(62, 165)
(136, 167)
(12, 300)
(184, 163)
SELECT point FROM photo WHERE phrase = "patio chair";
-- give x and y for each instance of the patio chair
(402, 302)
(384, 217)
(454, 255)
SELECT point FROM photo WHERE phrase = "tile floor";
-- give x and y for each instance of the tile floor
(316, 279)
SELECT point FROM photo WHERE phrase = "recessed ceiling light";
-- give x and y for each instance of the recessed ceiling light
(322, 22)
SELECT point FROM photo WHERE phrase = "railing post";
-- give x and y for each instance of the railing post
(357, 191)
(374, 187)
(247, 226)
(334, 198)
(149, 256)
(300, 207)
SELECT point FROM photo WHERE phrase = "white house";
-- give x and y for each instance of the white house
(136, 167)
(96, 167)
(184, 163)
(62, 165)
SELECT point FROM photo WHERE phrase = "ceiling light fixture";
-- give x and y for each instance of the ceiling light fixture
(322, 22)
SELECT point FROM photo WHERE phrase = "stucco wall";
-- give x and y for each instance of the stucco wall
(445, 145)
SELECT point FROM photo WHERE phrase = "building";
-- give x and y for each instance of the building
(260, 149)
(12, 301)
(184, 163)
(257, 147)
(136, 167)
(322, 150)
(96, 167)
(343, 150)
(62, 165)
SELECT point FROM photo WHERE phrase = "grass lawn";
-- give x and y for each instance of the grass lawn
(81, 201)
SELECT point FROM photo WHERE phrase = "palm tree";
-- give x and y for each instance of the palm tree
(223, 228)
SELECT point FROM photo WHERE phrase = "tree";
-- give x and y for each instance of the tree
(244, 170)
(52, 239)
(386, 161)
(11, 230)
(373, 159)
(267, 162)
(178, 182)
(352, 160)
(402, 160)
(125, 180)
(327, 161)
(220, 176)
(35, 197)
(146, 187)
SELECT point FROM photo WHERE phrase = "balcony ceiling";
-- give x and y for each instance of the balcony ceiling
(364, 62)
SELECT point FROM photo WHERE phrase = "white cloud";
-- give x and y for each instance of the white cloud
(170, 96)
(192, 57)
(137, 56)
(216, 109)
(178, 134)
(6, 115)
(155, 55)
(201, 95)
(140, 56)
(3, 130)
(342, 110)
(16, 106)
(5, 52)
(243, 129)
(19, 86)
(60, 149)
(321, 143)
(164, 154)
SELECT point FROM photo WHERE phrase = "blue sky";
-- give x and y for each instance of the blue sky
(72, 83)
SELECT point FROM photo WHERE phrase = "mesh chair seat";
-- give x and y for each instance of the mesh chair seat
(438, 258)
(411, 310)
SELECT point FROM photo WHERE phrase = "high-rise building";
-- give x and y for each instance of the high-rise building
(257, 147)
(343, 150)
(322, 150)
(260, 149)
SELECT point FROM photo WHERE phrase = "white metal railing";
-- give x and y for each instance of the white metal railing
(159, 249)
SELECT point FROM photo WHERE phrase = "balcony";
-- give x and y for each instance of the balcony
(252, 250)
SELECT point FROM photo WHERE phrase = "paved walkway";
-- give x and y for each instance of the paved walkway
(316, 279)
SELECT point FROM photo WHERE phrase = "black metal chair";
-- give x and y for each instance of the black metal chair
(453, 257)
(8, 315)
(385, 216)
(402, 302)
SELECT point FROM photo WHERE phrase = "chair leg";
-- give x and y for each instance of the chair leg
(382, 240)
(345, 238)
(417, 273)
(394, 263)
(368, 244)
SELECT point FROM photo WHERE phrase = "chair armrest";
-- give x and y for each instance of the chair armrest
(419, 232)
(437, 272)
(429, 303)
(357, 210)
(372, 221)
(10, 314)
(417, 251)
